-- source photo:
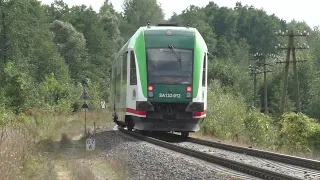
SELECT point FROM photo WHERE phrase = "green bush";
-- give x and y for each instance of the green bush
(298, 133)
(259, 130)
(314, 138)
(226, 113)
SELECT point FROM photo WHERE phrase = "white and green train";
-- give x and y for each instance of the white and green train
(159, 80)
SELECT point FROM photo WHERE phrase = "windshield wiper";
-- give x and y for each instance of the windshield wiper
(175, 52)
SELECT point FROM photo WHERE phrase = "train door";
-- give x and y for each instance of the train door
(132, 92)
(112, 97)
(123, 85)
(117, 87)
(204, 80)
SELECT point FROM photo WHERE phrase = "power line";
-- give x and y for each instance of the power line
(291, 47)
(254, 71)
(261, 60)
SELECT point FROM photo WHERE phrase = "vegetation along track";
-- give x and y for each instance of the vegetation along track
(241, 167)
(298, 161)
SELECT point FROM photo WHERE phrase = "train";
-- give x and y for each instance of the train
(159, 80)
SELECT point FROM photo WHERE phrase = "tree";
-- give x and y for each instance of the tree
(30, 52)
(72, 47)
(195, 16)
(58, 10)
(138, 13)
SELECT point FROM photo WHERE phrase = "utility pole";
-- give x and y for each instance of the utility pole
(4, 47)
(85, 96)
(291, 47)
(254, 71)
(261, 59)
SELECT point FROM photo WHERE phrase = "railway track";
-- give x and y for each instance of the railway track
(292, 160)
(283, 158)
(295, 166)
(238, 166)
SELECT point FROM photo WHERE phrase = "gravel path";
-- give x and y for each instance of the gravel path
(291, 170)
(141, 160)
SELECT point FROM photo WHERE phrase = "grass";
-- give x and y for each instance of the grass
(40, 145)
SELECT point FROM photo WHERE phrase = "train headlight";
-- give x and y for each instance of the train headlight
(189, 91)
(150, 91)
(150, 88)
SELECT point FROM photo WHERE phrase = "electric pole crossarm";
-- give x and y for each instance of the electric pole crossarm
(281, 62)
(286, 48)
(291, 33)
(256, 73)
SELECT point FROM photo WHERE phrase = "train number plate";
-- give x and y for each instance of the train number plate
(169, 95)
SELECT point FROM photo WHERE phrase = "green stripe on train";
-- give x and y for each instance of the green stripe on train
(137, 43)
(200, 48)
(188, 38)
(198, 54)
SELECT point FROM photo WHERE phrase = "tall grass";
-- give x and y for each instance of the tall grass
(26, 139)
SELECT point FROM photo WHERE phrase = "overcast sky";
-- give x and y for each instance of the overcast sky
(306, 10)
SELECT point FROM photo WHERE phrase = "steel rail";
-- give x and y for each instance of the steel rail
(241, 167)
(292, 160)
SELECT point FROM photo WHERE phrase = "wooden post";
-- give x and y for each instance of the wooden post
(295, 72)
(289, 48)
(265, 97)
(94, 128)
(85, 122)
(260, 59)
(285, 81)
(255, 89)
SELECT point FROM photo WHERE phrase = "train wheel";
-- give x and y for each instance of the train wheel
(130, 124)
(130, 128)
(185, 134)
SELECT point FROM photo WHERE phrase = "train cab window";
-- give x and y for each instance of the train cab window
(133, 71)
(204, 79)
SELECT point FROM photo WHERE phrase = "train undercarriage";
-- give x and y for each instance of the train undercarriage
(164, 117)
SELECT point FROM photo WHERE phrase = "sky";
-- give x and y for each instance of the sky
(306, 10)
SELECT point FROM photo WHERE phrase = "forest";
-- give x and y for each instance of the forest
(49, 52)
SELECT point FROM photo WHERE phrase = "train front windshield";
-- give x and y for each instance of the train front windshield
(169, 66)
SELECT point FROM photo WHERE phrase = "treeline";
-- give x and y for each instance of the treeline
(48, 52)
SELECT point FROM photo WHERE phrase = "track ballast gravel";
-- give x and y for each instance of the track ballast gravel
(291, 170)
(141, 160)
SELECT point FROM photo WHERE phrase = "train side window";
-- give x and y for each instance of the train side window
(204, 79)
(133, 71)
(124, 66)
(118, 75)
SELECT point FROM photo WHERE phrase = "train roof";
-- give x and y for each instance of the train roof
(176, 30)
(162, 29)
